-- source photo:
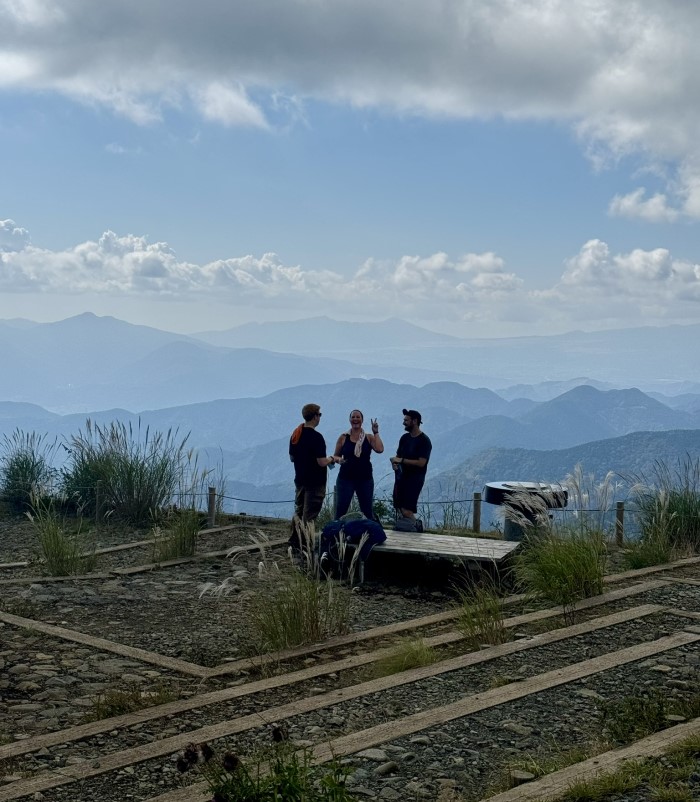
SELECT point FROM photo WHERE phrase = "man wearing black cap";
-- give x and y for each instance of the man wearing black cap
(410, 466)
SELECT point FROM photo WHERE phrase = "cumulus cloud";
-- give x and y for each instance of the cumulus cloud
(634, 205)
(131, 266)
(623, 74)
(596, 287)
(12, 237)
(647, 284)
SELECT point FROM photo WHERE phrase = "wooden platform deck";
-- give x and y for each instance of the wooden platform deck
(469, 549)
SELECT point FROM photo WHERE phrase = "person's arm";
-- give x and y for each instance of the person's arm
(375, 440)
(324, 462)
(339, 445)
(419, 462)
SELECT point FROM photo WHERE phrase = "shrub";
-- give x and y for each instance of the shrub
(26, 468)
(669, 501)
(137, 471)
(654, 548)
(562, 570)
(62, 552)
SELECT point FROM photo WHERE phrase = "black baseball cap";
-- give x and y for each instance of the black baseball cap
(413, 415)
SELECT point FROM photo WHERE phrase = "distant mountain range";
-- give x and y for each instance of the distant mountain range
(92, 363)
(477, 435)
(519, 408)
(661, 359)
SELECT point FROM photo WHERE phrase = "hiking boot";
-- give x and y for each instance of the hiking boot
(404, 524)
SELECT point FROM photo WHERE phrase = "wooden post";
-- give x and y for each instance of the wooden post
(619, 522)
(476, 515)
(212, 508)
(98, 501)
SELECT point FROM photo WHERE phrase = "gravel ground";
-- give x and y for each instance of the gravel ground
(48, 684)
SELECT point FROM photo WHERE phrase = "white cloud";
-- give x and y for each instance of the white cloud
(647, 285)
(12, 237)
(634, 205)
(597, 286)
(623, 74)
(229, 105)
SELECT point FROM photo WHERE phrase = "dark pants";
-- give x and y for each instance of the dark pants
(307, 505)
(345, 488)
(406, 491)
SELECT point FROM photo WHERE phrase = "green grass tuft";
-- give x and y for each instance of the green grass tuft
(407, 654)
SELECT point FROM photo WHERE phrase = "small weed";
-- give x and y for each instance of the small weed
(499, 681)
(24, 608)
(647, 551)
(542, 765)
(407, 654)
(294, 608)
(635, 717)
(117, 701)
(293, 605)
(665, 777)
(273, 775)
(480, 616)
(177, 536)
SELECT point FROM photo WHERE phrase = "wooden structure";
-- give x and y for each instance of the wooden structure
(467, 549)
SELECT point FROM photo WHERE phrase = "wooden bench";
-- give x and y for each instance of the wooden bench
(475, 549)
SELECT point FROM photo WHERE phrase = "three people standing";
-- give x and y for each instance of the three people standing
(353, 450)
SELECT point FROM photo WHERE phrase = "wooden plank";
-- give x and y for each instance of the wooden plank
(555, 785)
(142, 655)
(634, 573)
(355, 742)
(473, 658)
(474, 548)
(230, 552)
(43, 580)
(686, 614)
(390, 731)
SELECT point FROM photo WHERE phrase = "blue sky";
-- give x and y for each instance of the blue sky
(482, 167)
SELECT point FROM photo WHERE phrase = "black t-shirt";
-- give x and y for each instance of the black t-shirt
(304, 453)
(414, 448)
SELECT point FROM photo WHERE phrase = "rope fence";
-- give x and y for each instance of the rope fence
(463, 512)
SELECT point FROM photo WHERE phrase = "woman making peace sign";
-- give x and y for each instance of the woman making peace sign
(355, 476)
